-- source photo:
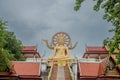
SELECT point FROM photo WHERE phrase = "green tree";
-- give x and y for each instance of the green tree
(111, 14)
(4, 61)
(9, 42)
(2, 33)
(13, 45)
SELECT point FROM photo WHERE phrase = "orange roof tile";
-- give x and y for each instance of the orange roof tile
(102, 67)
(95, 48)
(27, 68)
(88, 69)
(91, 69)
(29, 48)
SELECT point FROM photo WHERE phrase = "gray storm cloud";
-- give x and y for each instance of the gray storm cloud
(34, 20)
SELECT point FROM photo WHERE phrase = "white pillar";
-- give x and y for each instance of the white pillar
(74, 68)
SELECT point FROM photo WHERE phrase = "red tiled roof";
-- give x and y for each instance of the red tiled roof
(88, 69)
(27, 68)
(95, 49)
(29, 48)
(102, 67)
(91, 69)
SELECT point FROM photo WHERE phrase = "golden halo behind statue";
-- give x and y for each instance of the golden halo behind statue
(61, 38)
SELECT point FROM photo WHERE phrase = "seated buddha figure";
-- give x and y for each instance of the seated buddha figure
(60, 51)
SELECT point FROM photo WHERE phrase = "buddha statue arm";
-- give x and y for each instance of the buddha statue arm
(50, 47)
(55, 51)
(72, 47)
(67, 51)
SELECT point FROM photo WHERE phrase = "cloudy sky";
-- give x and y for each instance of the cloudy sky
(34, 20)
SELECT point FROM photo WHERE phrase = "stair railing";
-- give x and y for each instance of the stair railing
(49, 75)
(71, 73)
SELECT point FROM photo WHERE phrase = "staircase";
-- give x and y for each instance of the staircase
(67, 73)
(60, 73)
(54, 73)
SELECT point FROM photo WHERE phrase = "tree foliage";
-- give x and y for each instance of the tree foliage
(10, 47)
(10, 43)
(4, 60)
(111, 14)
(13, 45)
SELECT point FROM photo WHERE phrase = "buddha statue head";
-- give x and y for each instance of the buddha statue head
(61, 40)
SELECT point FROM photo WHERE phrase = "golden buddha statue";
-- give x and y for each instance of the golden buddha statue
(61, 45)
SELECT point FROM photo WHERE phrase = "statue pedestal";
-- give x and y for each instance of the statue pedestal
(61, 61)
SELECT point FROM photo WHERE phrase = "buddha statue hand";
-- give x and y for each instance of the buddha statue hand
(49, 46)
(45, 40)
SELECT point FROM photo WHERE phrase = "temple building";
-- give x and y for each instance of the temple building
(91, 70)
(30, 52)
(97, 64)
(30, 69)
(95, 52)
(22, 70)
(27, 70)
